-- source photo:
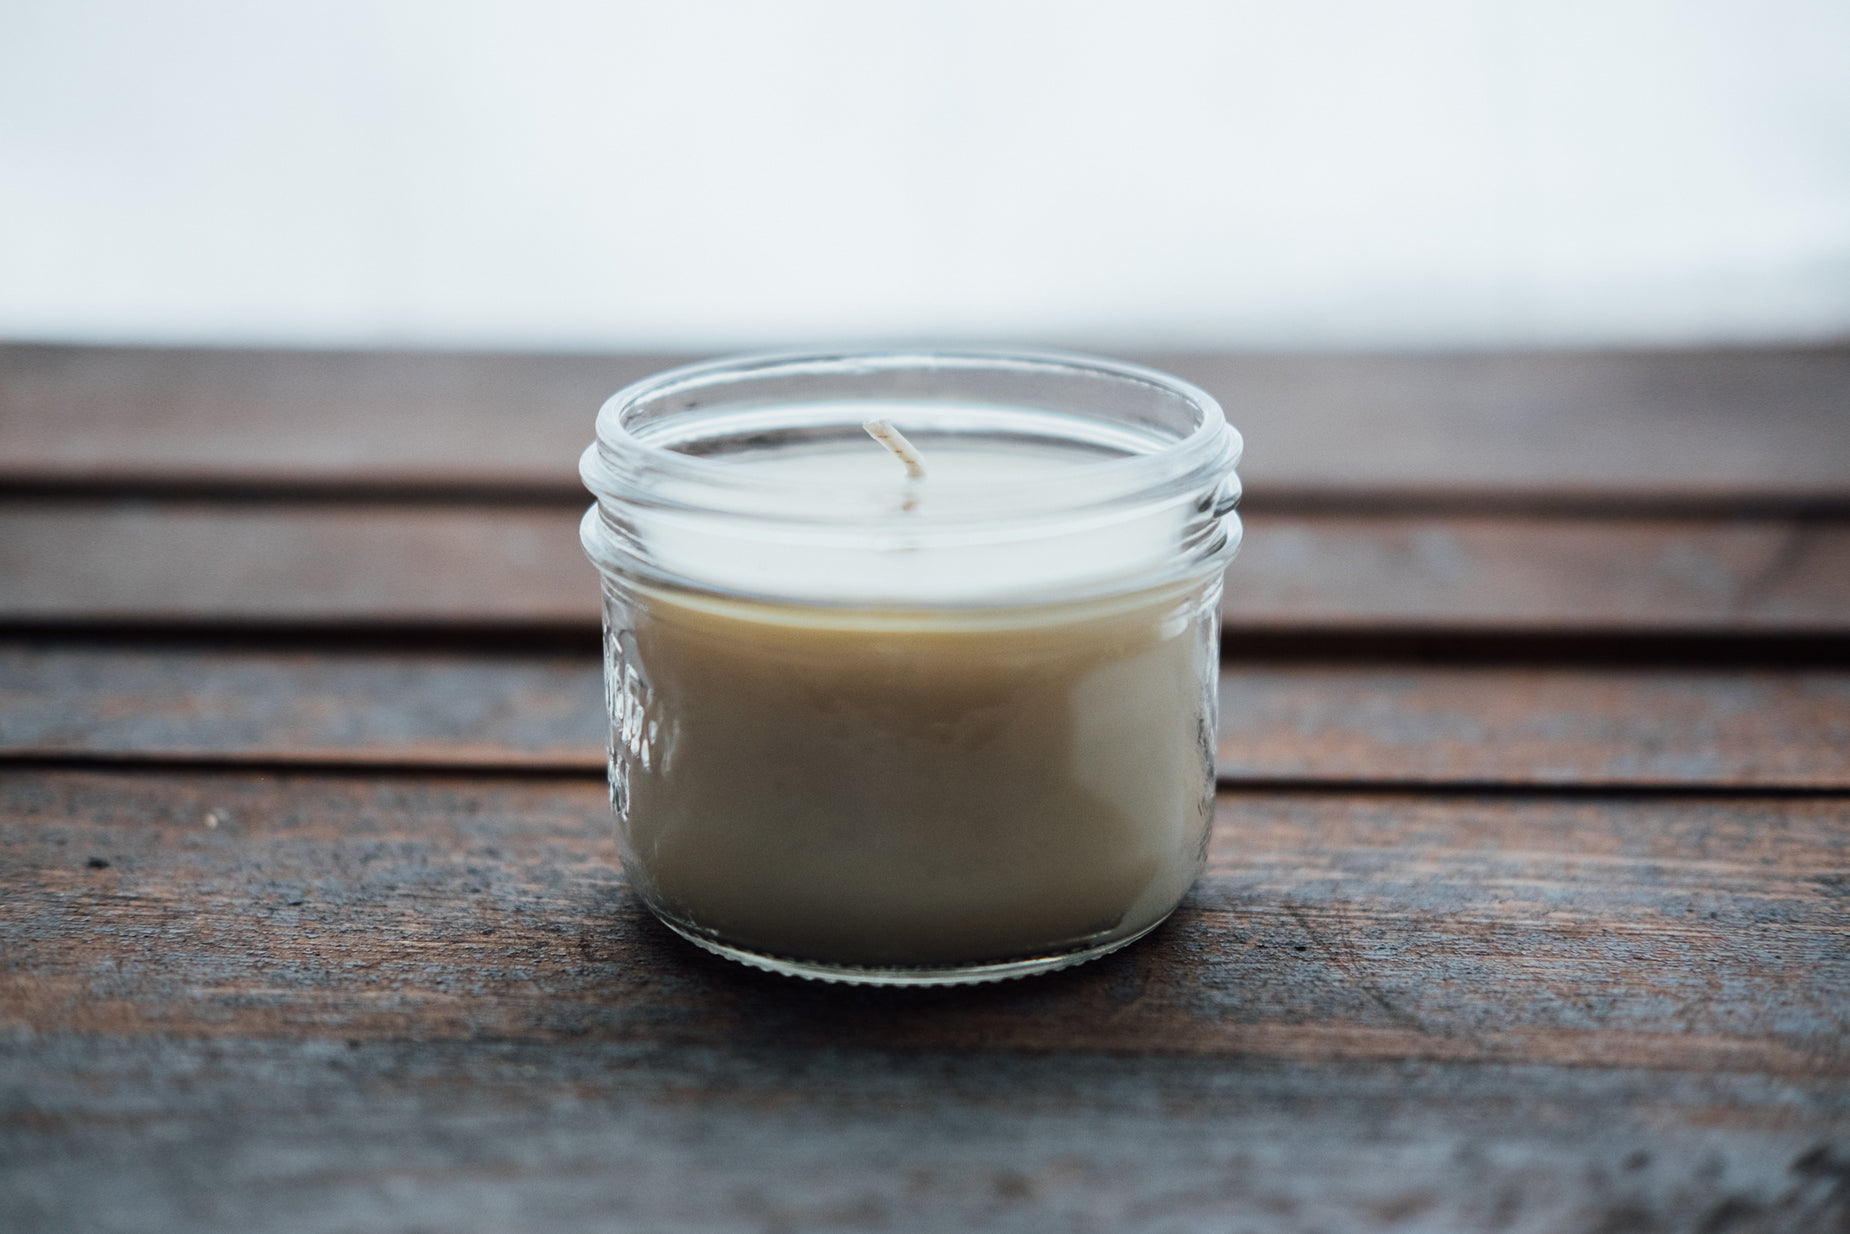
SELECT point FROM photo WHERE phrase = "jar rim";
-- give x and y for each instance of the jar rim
(1144, 495)
(621, 457)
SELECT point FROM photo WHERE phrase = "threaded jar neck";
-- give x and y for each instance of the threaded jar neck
(1049, 478)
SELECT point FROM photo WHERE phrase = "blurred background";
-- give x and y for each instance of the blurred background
(704, 176)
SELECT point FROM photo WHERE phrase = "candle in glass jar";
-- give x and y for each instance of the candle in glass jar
(898, 728)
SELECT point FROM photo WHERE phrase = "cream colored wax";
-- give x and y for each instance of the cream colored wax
(889, 788)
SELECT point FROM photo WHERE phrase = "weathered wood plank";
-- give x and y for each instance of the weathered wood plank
(393, 708)
(129, 563)
(1727, 424)
(1724, 424)
(1541, 574)
(116, 415)
(1364, 723)
(1553, 726)
(161, 1134)
(1682, 934)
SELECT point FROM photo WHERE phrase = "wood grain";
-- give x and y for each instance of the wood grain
(128, 563)
(120, 563)
(346, 707)
(1682, 934)
(161, 1133)
(1534, 726)
(1541, 574)
(1733, 425)
(265, 417)
(1359, 723)
(392, 1003)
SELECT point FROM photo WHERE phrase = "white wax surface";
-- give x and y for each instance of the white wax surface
(933, 546)
(954, 468)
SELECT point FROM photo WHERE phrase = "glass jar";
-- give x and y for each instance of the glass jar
(874, 726)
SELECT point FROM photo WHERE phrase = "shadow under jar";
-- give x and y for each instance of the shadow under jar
(874, 726)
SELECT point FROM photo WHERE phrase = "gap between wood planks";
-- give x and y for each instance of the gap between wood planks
(542, 770)
(417, 489)
(1258, 643)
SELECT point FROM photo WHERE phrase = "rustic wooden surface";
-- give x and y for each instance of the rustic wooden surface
(87, 563)
(1756, 426)
(1528, 905)
(1371, 723)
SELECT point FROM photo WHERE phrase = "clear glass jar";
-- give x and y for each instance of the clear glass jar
(875, 727)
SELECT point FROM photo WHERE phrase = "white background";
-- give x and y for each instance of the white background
(1346, 173)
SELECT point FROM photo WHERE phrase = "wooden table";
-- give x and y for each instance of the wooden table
(1529, 888)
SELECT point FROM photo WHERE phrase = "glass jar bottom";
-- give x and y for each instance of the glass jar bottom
(918, 977)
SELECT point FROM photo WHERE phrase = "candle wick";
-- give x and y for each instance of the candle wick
(883, 432)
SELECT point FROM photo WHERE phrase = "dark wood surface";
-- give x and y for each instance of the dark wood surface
(1727, 427)
(1529, 894)
(73, 563)
(1356, 724)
